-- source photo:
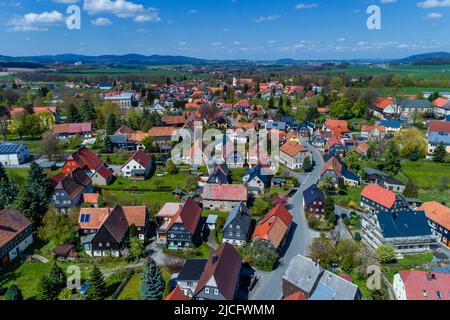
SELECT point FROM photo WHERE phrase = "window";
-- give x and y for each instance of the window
(425, 293)
(238, 227)
(216, 292)
(100, 244)
(438, 295)
(107, 244)
(206, 290)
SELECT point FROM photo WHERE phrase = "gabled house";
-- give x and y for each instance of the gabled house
(104, 231)
(223, 197)
(385, 108)
(314, 200)
(163, 220)
(438, 133)
(292, 154)
(407, 231)
(373, 176)
(274, 228)
(417, 285)
(12, 154)
(337, 170)
(138, 167)
(373, 132)
(410, 107)
(187, 279)
(257, 179)
(221, 275)
(184, 227)
(441, 108)
(306, 277)
(16, 235)
(378, 199)
(219, 174)
(68, 130)
(163, 136)
(91, 164)
(439, 220)
(237, 228)
(69, 189)
(392, 126)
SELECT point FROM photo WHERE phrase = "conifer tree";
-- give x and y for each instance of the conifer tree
(97, 285)
(152, 282)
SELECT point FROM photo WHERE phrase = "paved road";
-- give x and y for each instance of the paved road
(269, 286)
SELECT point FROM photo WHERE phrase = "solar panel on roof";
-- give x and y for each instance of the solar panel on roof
(87, 218)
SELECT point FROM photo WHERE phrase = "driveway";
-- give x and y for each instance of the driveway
(269, 286)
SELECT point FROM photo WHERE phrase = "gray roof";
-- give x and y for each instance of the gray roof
(303, 273)
(439, 137)
(242, 214)
(420, 103)
(320, 284)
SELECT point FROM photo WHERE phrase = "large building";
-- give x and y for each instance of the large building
(407, 231)
(223, 197)
(13, 154)
(421, 285)
(378, 199)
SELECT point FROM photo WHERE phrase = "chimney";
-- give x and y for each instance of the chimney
(429, 276)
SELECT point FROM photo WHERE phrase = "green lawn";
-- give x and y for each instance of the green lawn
(132, 290)
(409, 262)
(127, 192)
(353, 195)
(116, 159)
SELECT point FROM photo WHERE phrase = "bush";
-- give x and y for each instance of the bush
(259, 255)
(357, 236)
(386, 253)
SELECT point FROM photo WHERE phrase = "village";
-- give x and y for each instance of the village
(87, 179)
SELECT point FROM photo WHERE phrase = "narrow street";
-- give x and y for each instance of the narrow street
(269, 286)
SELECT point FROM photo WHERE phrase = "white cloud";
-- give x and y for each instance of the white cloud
(36, 21)
(434, 16)
(101, 22)
(303, 6)
(122, 9)
(267, 18)
(430, 4)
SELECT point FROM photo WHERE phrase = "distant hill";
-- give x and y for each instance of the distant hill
(428, 58)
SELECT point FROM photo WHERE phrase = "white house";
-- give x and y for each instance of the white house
(138, 167)
(13, 154)
(292, 155)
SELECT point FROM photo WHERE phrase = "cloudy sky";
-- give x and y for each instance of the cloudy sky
(226, 29)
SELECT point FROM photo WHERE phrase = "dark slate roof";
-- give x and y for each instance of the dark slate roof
(256, 172)
(118, 139)
(287, 119)
(391, 123)
(192, 270)
(275, 125)
(403, 224)
(240, 214)
(419, 103)
(312, 194)
(9, 148)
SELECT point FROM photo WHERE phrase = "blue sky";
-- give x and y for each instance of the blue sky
(226, 29)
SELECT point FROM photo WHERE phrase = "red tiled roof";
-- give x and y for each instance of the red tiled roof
(86, 159)
(440, 102)
(419, 287)
(368, 128)
(72, 128)
(225, 192)
(439, 126)
(298, 296)
(379, 195)
(12, 222)
(337, 124)
(438, 213)
(140, 157)
(176, 295)
(189, 215)
(162, 131)
(382, 103)
(292, 148)
(91, 198)
(14, 111)
(173, 120)
(136, 215)
(334, 165)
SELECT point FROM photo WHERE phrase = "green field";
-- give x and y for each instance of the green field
(409, 262)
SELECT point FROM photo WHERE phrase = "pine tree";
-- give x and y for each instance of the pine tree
(73, 116)
(152, 282)
(111, 124)
(440, 153)
(307, 164)
(37, 177)
(8, 193)
(13, 293)
(392, 163)
(87, 111)
(57, 278)
(45, 289)
(329, 210)
(3, 175)
(411, 190)
(107, 145)
(97, 286)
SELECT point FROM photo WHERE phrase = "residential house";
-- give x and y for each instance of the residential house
(104, 231)
(223, 197)
(292, 154)
(88, 161)
(257, 179)
(314, 200)
(441, 108)
(439, 220)
(378, 199)
(221, 275)
(438, 132)
(420, 285)
(337, 127)
(385, 108)
(68, 130)
(16, 235)
(392, 126)
(184, 227)
(219, 174)
(306, 277)
(164, 218)
(187, 279)
(407, 231)
(163, 136)
(274, 228)
(138, 167)
(125, 100)
(13, 154)
(373, 132)
(411, 107)
(337, 170)
(319, 141)
(176, 294)
(237, 228)
(173, 121)
(122, 142)
(69, 189)
(373, 176)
